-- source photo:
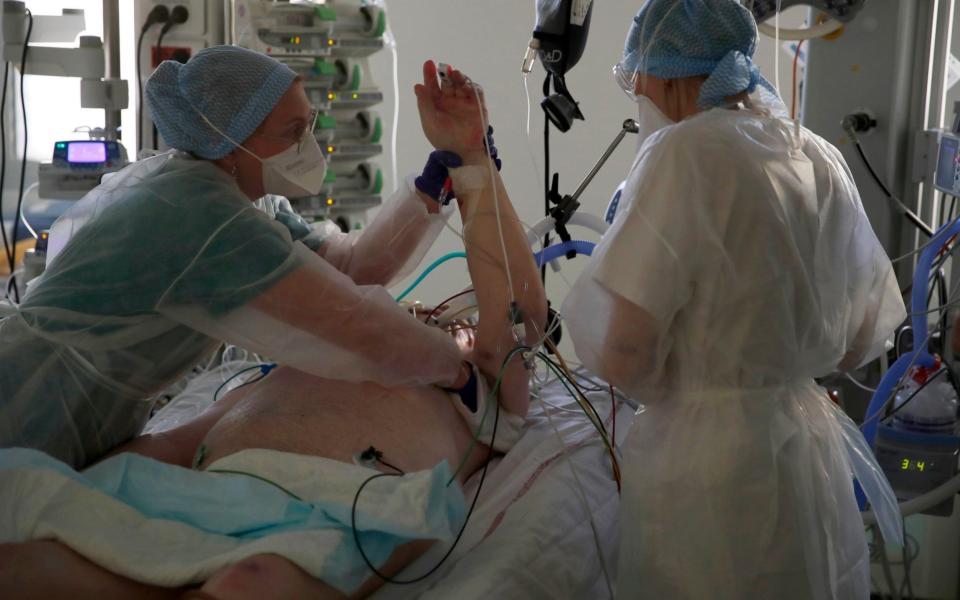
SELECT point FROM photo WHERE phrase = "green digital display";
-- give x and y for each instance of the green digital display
(911, 464)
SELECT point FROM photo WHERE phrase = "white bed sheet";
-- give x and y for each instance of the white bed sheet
(530, 535)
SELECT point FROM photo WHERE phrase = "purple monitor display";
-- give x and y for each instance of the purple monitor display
(86, 152)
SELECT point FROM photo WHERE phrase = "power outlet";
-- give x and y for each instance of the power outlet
(181, 54)
(196, 25)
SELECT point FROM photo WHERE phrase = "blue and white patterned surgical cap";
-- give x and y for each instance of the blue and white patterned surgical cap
(670, 39)
(233, 87)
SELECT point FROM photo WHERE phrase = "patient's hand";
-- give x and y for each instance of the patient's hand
(464, 334)
(451, 116)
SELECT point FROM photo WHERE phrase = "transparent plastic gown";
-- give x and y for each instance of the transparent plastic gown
(740, 266)
(166, 260)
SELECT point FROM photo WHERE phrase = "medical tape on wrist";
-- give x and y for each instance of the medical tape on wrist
(473, 401)
(467, 180)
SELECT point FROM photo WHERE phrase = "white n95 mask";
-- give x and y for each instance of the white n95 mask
(651, 119)
(296, 172)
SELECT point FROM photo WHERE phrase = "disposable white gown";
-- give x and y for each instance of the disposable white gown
(154, 268)
(740, 266)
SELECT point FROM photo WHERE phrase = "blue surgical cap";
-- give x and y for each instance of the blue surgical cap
(233, 87)
(670, 39)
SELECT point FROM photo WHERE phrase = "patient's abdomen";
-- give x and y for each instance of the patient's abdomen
(290, 411)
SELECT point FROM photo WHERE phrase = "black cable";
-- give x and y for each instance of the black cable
(560, 369)
(935, 285)
(914, 394)
(896, 340)
(908, 558)
(483, 475)
(473, 504)
(943, 205)
(264, 370)
(159, 44)
(3, 164)
(944, 300)
(23, 163)
(909, 214)
(140, 93)
(389, 466)
(546, 175)
(159, 14)
(178, 16)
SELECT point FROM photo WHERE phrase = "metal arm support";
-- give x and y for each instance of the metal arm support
(567, 205)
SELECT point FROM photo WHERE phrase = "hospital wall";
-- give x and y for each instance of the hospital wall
(487, 41)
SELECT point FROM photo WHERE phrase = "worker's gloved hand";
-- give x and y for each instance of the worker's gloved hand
(492, 149)
(300, 230)
(435, 174)
(437, 170)
(465, 377)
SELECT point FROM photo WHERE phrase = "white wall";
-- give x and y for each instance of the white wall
(487, 39)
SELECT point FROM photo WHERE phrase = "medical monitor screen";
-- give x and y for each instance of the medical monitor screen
(87, 152)
(946, 165)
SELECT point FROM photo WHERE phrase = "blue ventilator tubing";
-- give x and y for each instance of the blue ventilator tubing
(552, 253)
(920, 356)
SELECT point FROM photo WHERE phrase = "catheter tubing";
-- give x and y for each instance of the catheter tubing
(556, 251)
(920, 355)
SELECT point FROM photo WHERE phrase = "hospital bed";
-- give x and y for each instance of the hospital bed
(545, 524)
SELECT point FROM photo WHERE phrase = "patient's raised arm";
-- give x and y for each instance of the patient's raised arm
(505, 277)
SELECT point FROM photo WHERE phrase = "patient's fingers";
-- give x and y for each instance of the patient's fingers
(430, 78)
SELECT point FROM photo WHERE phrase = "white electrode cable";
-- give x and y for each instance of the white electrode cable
(496, 198)
(776, 48)
(583, 497)
(23, 206)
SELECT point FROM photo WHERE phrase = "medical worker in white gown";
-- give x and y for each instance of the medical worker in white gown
(151, 271)
(740, 266)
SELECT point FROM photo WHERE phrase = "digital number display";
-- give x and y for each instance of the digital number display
(919, 466)
(86, 152)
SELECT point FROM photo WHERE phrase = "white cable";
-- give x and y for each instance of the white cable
(913, 252)
(578, 411)
(23, 205)
(776, 48)
(927, 501)
(858, 384)
(528, 143)
(496, 199)
(395, 127)
(800, 34)
(888, 575)
(447, 224)
(583, 499)
(526, 91)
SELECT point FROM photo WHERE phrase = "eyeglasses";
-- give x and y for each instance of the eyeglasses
(311, 125)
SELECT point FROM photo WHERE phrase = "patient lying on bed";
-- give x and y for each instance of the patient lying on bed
(289, 411)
